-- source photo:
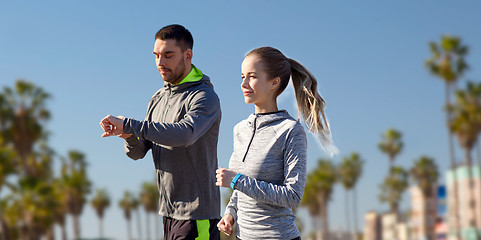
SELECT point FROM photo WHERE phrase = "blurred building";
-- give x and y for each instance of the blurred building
(402, 231)
(389, 222)
(441, 229)
(372, 226)
(423, 213)
(469, 204)
(335, 234)
(340, 234)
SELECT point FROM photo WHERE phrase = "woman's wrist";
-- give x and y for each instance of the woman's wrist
(234, 180)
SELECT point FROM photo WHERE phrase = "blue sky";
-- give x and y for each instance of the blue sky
(95, 58)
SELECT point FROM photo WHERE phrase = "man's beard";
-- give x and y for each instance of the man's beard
(176, 74)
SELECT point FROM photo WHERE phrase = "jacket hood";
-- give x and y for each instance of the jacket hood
(205, 79)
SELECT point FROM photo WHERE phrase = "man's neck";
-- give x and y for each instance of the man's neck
(187, 71)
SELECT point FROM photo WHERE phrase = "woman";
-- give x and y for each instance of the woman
(268, 163)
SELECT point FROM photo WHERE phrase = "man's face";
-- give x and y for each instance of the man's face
(171, 62)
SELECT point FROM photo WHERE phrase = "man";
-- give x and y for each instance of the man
(181, 128)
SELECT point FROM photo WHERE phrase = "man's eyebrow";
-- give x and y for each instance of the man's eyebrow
(168, 52)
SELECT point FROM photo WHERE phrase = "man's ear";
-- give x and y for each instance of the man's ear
(188, 54)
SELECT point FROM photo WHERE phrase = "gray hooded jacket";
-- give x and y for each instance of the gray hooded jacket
(181, 127)
(270, 153)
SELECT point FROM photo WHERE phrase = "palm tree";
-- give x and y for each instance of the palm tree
(35, 202)
(61, 210)
(425, 174)
(100, 203)
(74, 174)
(447, 63)
(22, 117)
(393, 187)
(7, 168)
(25, 112)
(135, 207)
(317, 192)
(466, 124)
(126, 203)
(34, 196)
(149, 197)
(349, 172)
(391, 144)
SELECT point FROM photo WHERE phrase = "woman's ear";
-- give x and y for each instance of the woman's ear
(276, 82)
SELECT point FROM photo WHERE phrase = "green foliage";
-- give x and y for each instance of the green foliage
(23, 113)
(74, 174)
(100, 202)
(37, 199)
(447, 61)
(391, 143)
(319, 186)
(425, 174)
(350, 170)
(393, 187)
(128, 203)
(7, 166)
(466, 115)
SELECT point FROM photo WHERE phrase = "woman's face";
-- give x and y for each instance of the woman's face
(256, 86)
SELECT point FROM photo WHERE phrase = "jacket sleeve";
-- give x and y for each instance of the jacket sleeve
(136, 148)
(204, 110)
(232, 206)
(289, 194)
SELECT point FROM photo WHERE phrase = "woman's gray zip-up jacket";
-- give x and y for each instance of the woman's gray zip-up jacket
(270, 153)
(181, 127)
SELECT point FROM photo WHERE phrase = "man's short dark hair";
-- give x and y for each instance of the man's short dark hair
(178, 32)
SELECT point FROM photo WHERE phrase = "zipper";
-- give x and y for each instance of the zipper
(250, 142)
(167, 106)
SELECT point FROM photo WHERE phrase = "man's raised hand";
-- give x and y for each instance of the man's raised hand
(113, 126)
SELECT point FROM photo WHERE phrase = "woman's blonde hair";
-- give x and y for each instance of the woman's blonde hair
(309, 102)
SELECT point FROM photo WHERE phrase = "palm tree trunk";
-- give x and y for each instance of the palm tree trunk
(355, 211)
(395, 207)
(50, 235)
(471, 191)
(157, 232)
(391, 164)
(478, 152)
(427, 230)
(76, 226)
(101, 228)
(346, 203)
(129, 229)
(325, 222)
(139, 224)
(64, 232)
(148, 225)
(453, 167)
(4, 228)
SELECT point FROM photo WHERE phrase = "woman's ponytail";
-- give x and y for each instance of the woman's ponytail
(311, 105)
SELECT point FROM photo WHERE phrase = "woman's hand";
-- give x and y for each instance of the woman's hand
(225, 224)
(224, 177)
